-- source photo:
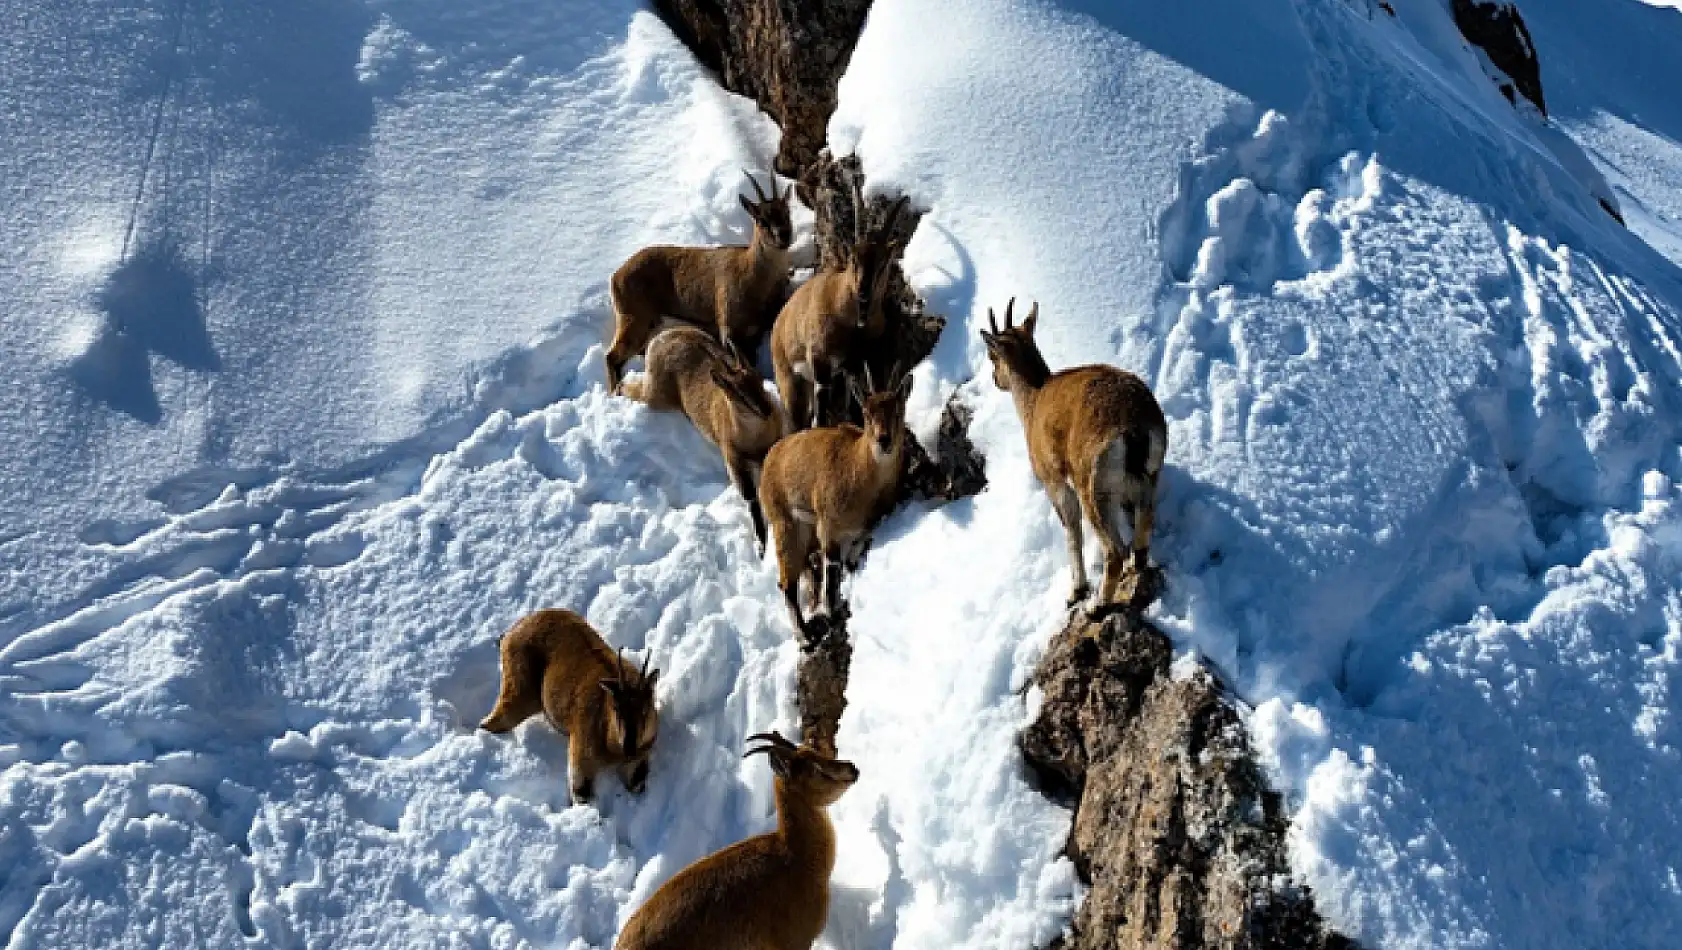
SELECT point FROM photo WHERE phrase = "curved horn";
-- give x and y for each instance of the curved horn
(645, 658)
(869, 384)
(731, 354)
(992, 322)
(1008, 308)
(620, 657)
(755, 183)
(774, 738)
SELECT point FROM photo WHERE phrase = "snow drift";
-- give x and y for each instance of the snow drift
(302, 327)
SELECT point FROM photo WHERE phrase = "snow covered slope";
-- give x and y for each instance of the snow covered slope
(1425, 410)
(302, 317)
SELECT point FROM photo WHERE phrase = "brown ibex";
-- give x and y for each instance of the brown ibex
(555, 663)
(829, 322)
(722, 394)
(727, 290)
(823, 490)
(1096, 438)
(770, 892)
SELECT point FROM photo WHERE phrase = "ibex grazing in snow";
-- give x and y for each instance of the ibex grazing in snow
(769, 892)
(555, 663)
(728, 290)
(722, 394)
(1096, 438)
(831, 320)
(823, 489)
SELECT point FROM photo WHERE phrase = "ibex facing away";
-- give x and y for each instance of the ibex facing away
(1096, 438)
(769, 892)
(721, 393)
(831, 320)
(823, 489)
(555, 663)
(728, 290)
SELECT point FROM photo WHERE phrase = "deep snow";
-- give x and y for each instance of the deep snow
(256, 548)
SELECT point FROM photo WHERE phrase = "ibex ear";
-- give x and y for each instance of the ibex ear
(779, 764)
(1033, 318)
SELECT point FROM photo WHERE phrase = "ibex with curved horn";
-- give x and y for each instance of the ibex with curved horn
(831, 320)
(722, 394)
(555, 663)
(730, 291)
(770, 892)
(1096, 439)
(823, 490)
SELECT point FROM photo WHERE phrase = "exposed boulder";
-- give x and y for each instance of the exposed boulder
(786, 55)
(1496, 27)
(1175, 828)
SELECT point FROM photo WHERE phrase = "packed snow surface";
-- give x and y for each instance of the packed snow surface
(302, 325)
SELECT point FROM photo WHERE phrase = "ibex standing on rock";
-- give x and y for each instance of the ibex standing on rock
(1096, 438)
(831, 320)
(555, 663)
(728, 290)
(723, 395)
(823, 489)
(769, 892)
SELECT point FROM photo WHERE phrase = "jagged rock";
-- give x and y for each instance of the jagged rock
(821, 681)
(1496, 27)
(1175, 828)
(786, 55)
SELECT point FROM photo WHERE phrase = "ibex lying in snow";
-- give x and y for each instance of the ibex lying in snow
(831, 320)
(769, 892)
(722, 394)
(1096, 438)
(555, 663)
(724, 289)
(823, 489)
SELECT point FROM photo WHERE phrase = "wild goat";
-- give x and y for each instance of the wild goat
(728, 290)
(555, 663)
(1096, 438)
(823, 489)
(831, 320)
(721, 393)
(770, 892)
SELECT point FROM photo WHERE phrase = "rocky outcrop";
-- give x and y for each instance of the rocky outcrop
(1496, 27)
(1175, 829)
(786, 55)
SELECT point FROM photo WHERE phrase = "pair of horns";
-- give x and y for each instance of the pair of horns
(761, 192)
(623, 669)
(860, 211)
(1033, 313)
(774, 742)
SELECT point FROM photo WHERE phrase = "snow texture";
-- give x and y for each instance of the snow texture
(302, 326)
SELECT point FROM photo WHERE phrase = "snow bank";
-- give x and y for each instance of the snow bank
(1418, 385)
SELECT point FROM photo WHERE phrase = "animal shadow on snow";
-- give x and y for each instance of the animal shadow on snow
(151, 304)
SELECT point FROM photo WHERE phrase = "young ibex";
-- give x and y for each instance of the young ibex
(823, 490)
(1096, 438)
(728, 290)
(723, 395)
(770, 892)
(555, 663)
(830, 321)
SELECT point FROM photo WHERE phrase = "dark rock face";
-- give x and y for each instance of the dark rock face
(1175, 828)
(1496, 27)
(786, 55)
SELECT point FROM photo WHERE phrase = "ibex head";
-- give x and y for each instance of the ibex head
(631, 718)
(884, 412)
(819, 778)
(741, 382)
(770, 214)
(873, 254)
(1013, 351)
